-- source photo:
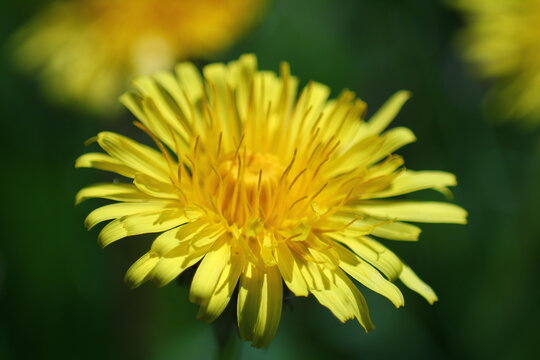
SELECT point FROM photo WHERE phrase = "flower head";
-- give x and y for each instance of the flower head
(87, 50)
(501, 39)
(260, 187)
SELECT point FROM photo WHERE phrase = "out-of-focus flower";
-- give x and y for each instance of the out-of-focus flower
(501, 39)
(260, 187)
(87, 50)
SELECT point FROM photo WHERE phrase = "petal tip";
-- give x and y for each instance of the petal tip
(405, 94)
(90, 141)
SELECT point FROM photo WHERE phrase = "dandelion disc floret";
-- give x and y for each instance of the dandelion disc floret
(262, 187)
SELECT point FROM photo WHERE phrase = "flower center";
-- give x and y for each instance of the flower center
(246, 185)
(247, 168)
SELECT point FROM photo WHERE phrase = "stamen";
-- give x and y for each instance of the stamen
(318, 192)
(258, 194)
(313, 152)
(221, 188)
(319, 168)
(286, 171)
(234, 197)
(334, 148)
(297, 177)
(238, 146)
(297, 202)
(218, 152)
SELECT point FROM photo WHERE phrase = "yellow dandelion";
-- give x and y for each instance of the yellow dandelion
(501, 40)
(260, 187)
(87, 50)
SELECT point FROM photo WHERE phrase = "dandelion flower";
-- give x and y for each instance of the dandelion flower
(87, 50)
(260, 187)
(501, 40)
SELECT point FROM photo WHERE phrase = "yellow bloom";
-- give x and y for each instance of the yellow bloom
(260, 187)
(87, 50)
(501, 39)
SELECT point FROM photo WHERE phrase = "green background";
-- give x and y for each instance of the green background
(61, 296)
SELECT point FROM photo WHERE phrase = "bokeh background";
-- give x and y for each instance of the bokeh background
(61, 296)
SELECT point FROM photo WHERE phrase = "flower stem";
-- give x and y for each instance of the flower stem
(226, 336)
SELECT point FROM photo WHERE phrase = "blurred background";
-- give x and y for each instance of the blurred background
(61, 296)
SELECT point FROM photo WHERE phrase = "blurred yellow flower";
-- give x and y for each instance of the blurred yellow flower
(501, 39)
(86, 51)
(260, 187)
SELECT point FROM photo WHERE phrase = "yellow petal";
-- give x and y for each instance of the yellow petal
(357, 155)
(141, 223)
(374, 253)
(170, 85)
(368, 276)
(243, 76)
(138, 105)
(155, 188)
(208, 273)
(393, 139)
(290, 270)
(205, 238)
(190, 243)
(396, 230)
(104, 162)
(349, 221)
(193, 236)
(208, 236)
(343, 299)
(382, 118)
(218, 85)
(322, 251)
(190, 79)
(139, 271)
(340, 117)
(118, 192)
(139, 157)
(411, 181)
(311, 100)
(270, 310)
(222, 292)
(413, 282)
(168, 268)
(159, 111)
(260, 296)
(118, 210)
(431, 212)
(133, 102)
(386, 167)
(392, 230)
(168, 240)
